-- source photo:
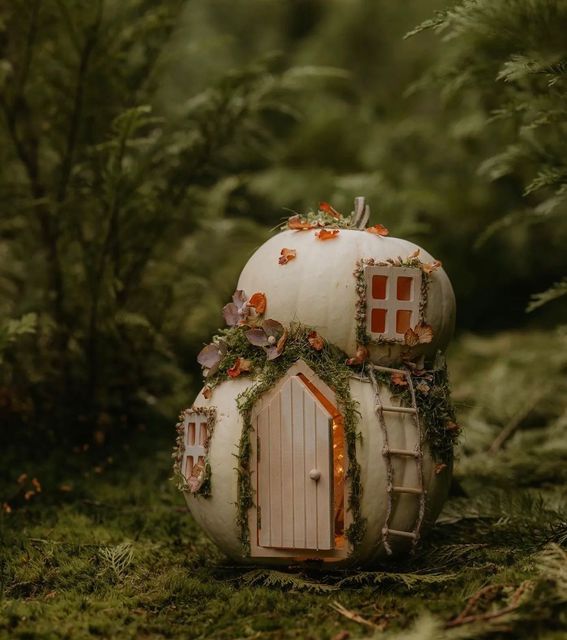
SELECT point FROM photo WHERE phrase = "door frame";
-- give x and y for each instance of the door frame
(256, 551)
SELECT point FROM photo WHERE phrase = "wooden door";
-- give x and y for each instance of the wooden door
(294, 470)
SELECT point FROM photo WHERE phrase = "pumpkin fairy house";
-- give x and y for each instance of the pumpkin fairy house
(324, 431)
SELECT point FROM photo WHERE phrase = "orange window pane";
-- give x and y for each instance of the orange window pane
(188, 466)
(404, 288)
(379, 287)
(378, 321)
(203, 435)
(191, 434)
(403, 321)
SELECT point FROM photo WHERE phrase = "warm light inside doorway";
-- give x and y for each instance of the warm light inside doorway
(339, 461)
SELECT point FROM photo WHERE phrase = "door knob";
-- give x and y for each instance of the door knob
(315, 474)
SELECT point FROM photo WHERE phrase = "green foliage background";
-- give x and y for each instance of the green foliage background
(147, 148)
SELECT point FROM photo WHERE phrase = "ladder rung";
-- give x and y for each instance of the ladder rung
(399, 409)
(407, 490)
(401, 452)
(389, 370)
(402, 534)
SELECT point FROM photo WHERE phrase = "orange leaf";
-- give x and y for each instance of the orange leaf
(197, 477)
(240, 366)
(439, 467)
(410, 338)
(298, 224)
(286, 255)
(399, 379)
(360, 357)
(281, 342)
(315, 340)
(235, 371)
(207, 392)
(421, 334)
(258, 301)
(452, 426)
(378, 229)
(327, 234)
(415, 254)
(430, 267)
(424, 333)
(325, 207)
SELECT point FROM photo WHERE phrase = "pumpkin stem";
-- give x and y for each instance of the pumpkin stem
(361, 213)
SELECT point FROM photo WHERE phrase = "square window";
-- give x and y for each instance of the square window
(378, 321)
(393, 298)
(404, 288)
(379, 287)
(403, 320)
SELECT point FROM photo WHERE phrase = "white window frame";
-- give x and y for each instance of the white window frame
(391, 303)
(199, 448)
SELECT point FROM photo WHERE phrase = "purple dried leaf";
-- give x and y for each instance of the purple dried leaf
(257, 337)
(209, 356)
(272, 352)
(239, 298)
(272, 328)
(231, 315)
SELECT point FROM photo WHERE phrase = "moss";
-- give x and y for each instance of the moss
(435, 408)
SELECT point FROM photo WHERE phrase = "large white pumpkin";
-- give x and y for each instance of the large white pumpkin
(318, 287)
(217, 514)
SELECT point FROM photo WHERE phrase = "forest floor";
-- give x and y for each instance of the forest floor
(107, 549)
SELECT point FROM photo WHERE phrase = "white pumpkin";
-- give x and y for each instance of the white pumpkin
(318, 288)
(402, 487)
(217, 514)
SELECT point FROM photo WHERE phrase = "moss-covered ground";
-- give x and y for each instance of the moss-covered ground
(107, 550)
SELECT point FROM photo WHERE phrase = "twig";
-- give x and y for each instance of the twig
(516, 421)
(467, 617)
(351, 615)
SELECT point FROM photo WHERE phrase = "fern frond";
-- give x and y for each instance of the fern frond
(436, 24)
(282, 580)
(408, 580)
(557, 290)
(117, 559)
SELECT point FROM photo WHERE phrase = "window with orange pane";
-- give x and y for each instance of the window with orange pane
(392, 301)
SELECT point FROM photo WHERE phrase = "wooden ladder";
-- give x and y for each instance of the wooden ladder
(388, 452)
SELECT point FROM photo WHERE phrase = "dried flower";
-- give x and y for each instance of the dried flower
(378, 230)
(315, 340)
(327, 234)
(286, 255)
